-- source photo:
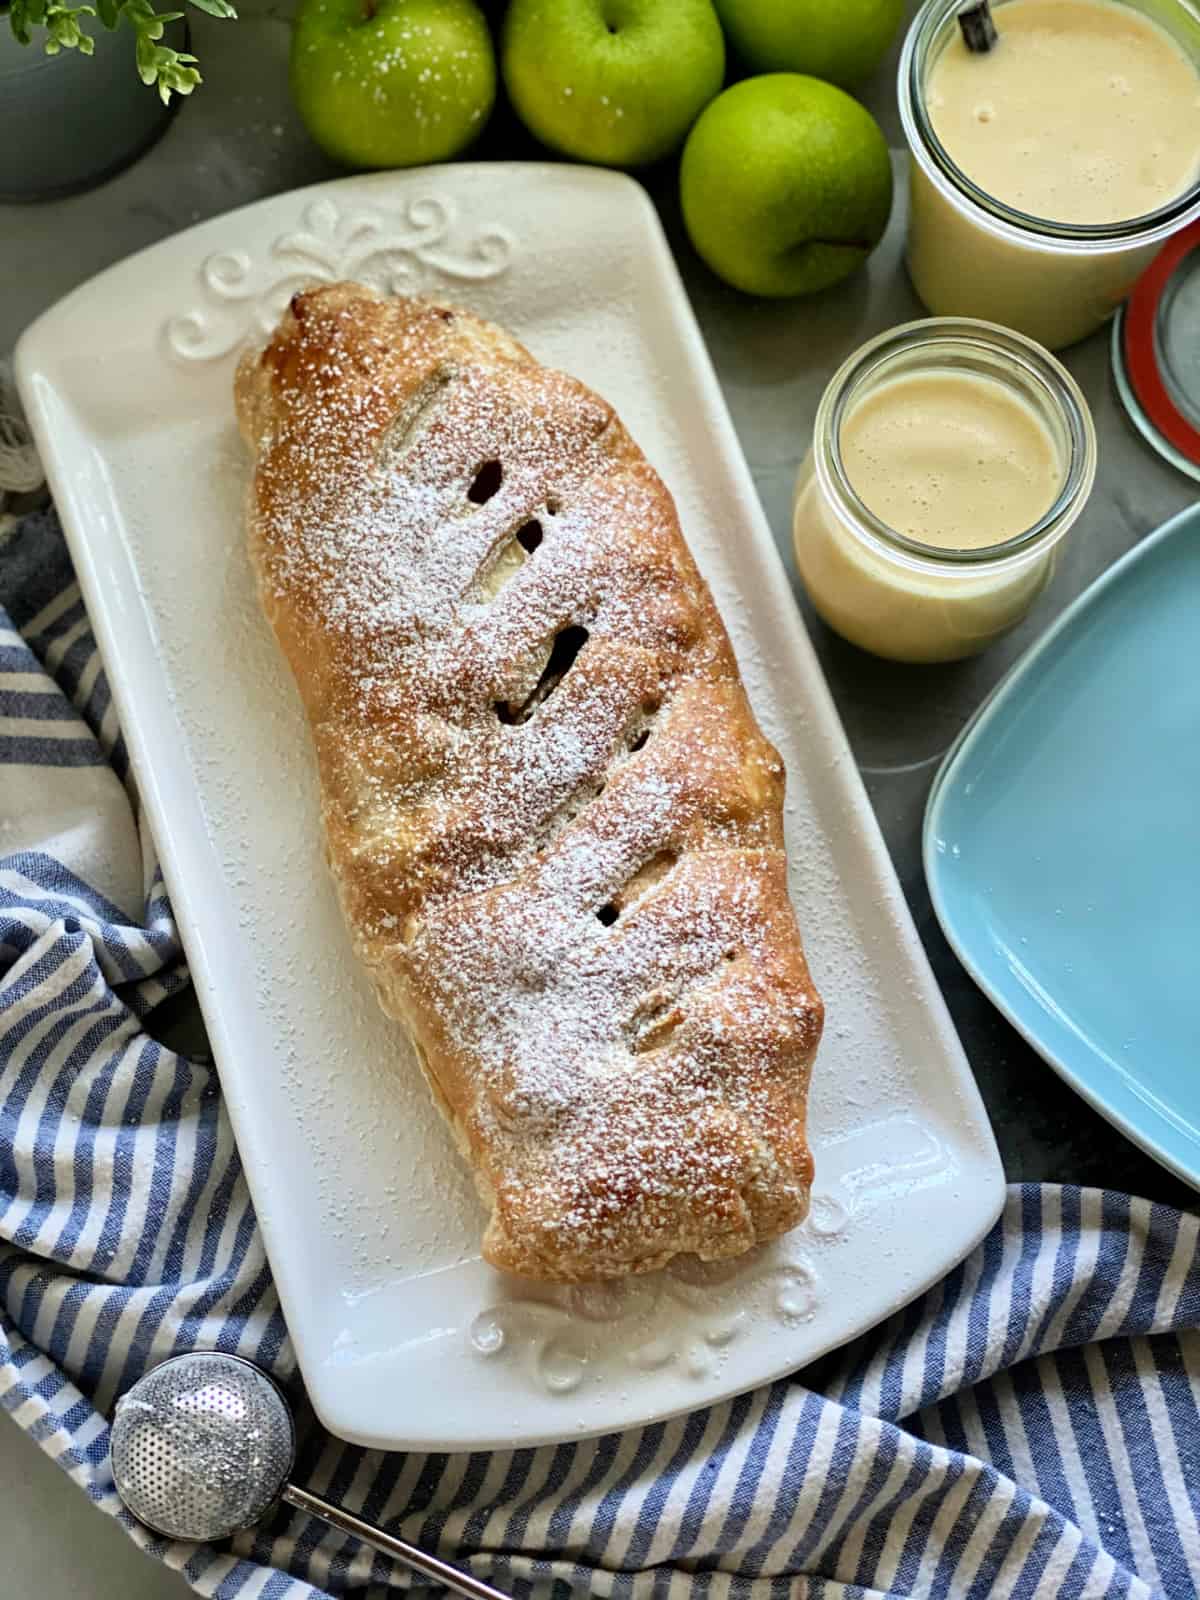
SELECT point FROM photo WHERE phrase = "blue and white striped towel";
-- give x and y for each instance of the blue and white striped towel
(1031, 1428)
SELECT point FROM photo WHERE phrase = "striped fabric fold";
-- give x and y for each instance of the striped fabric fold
(1029, 1428)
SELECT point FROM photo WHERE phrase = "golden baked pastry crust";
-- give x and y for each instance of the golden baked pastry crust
(554, 824)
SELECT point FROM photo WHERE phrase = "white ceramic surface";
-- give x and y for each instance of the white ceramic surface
(405, 1339)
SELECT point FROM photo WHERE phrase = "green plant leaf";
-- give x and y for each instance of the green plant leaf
(19, 23)
(62, 26)
(158, 66)
(144, 54)
(143, 18)
(176, 75)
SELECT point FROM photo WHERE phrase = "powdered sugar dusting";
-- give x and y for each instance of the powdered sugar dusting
(624, 1047)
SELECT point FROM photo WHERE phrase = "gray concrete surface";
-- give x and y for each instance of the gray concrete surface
(54, 1546)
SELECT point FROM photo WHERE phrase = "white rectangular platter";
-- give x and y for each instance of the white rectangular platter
(404, 1337)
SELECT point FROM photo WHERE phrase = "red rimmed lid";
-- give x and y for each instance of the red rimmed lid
(1156, 351)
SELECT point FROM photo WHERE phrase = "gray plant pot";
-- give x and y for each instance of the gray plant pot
(69, 121)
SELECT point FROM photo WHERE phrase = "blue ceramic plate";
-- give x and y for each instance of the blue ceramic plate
(1062, 845)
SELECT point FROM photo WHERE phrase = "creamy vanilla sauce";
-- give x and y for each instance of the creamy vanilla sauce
(1085, 111)
(950, 459)
(953, 460)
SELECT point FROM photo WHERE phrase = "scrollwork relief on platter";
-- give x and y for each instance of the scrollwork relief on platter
(418, 247)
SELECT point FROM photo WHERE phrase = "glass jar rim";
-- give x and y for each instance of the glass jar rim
(1040, 370)
(940, 166)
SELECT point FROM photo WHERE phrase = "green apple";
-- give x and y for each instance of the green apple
(392, 83)
(618, 82)
(839, 40)
(786, 184)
